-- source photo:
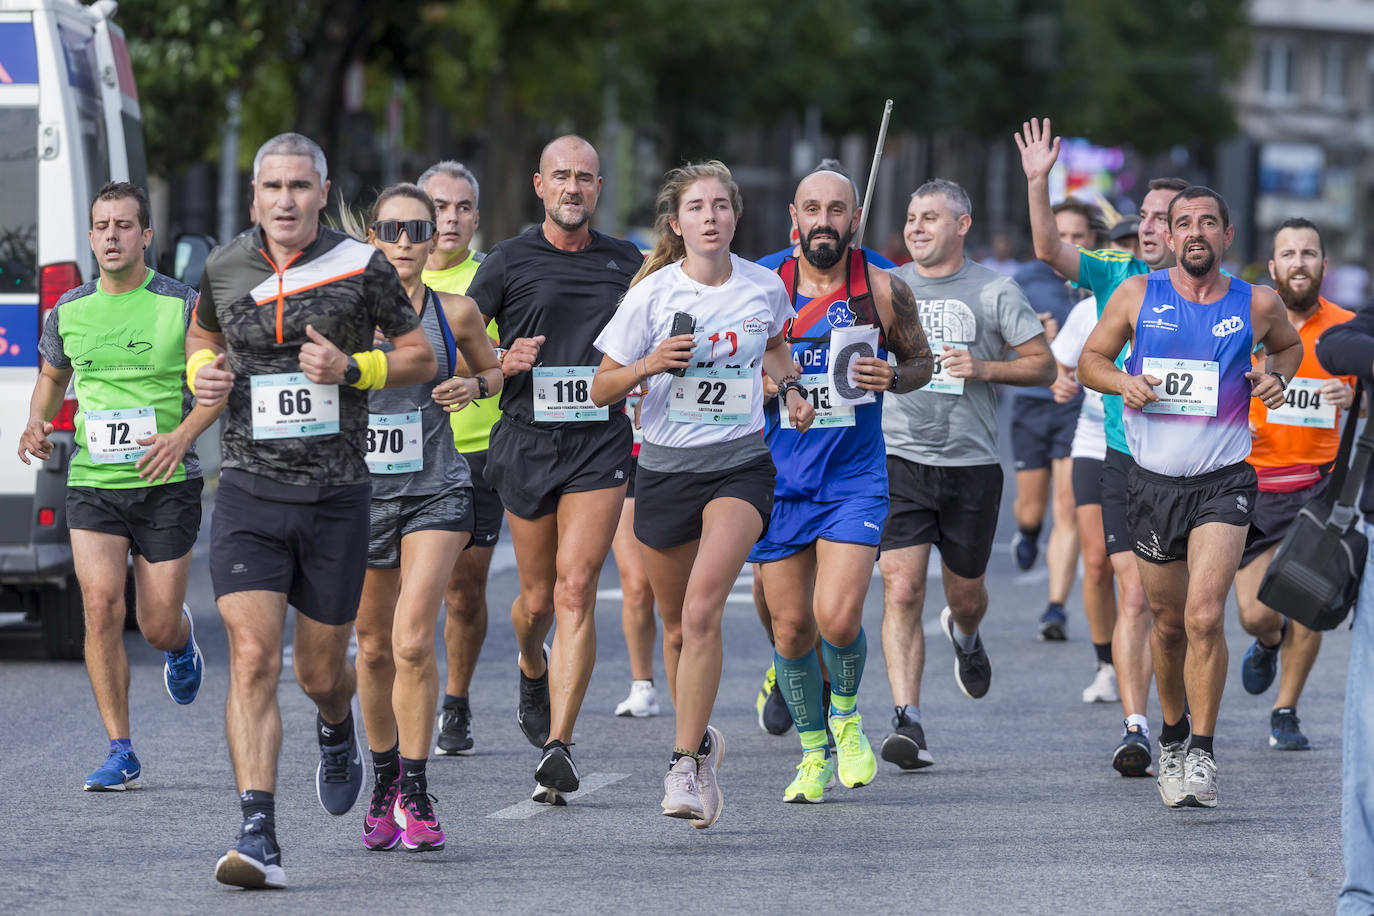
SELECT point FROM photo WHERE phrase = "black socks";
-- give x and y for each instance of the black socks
(386, 765)
(1201, 743)
(1104, 652)
(331, 735)
(1173, 734)
(259, 805)
(413, 780)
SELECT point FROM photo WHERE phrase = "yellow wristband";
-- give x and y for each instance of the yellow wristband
(372, 367)
(193, 364)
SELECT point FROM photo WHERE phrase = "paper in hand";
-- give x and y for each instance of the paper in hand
(847, 345)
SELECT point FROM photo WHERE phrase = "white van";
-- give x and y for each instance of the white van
(69, 122)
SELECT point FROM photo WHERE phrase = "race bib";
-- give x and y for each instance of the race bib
(287, 405)
(940, 381)
(716, 397)
(563, 394)
(395, 443)
(112, 435)
(1303, 406)
(828, 414)
(1189, 386)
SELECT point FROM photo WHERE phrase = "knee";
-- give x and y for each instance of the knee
(103, 612)
(537, 603)
(575, 591)
(637, 594)
(967, 597)
(1169, 631)
(412, 650)
(792, 639)
(672, 638)
(465, 598)
(161, 634)
(374, 649)
(700, 622)
(902, 594)
(317, 677)
(254, 660)
(1204, 624)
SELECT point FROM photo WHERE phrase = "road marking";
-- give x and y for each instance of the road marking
(528, 809)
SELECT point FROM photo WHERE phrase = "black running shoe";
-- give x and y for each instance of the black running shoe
(339, 777)
(972, 670)
(1132, 755)
(455, 731)
(556, 775)
(906, 746)
(255, 860)
(533, 712)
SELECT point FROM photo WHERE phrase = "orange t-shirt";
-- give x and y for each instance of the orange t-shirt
(1277, 445)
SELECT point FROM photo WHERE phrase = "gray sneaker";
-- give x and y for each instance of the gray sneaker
(1171, 773)
(1199, 780)
(708, 787)
(681, 798)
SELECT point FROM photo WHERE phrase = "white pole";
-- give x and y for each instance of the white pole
(873, 174)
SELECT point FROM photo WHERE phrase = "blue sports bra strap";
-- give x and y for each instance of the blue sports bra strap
(450, 345)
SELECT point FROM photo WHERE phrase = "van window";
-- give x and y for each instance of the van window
(133, 144)
(83, 74)
(18, 200)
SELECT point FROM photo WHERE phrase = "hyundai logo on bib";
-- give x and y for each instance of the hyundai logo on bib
(839, 315)
(1229, 326)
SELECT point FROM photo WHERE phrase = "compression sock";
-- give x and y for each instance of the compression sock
(257, 803)
(846, 667)
(413, 779)
(1173, 734)
(1104, 652)
(799, 680)
(1201, 743)
(121, 745)
(386, 765)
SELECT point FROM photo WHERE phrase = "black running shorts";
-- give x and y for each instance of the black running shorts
(532, 467)
(160, 521)
(1087, 482)
(487, 511)
(668, 506)
(393, 519)
(1275, 513)
(954, 508)
(314, 552)
(1042, 432)
(1164, 510)
(1116, 468)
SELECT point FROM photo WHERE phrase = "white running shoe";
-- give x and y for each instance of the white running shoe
(1199, 780)
(1171, 773)
(708, 786)
(681, 797)
(1103, 688)
(642, 701)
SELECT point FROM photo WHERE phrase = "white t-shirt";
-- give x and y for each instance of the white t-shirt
(1089, 438)
(734, 322)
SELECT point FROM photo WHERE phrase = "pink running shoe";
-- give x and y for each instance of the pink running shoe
(380, 830)
(419, 823)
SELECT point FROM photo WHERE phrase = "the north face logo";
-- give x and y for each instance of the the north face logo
(1229, 326)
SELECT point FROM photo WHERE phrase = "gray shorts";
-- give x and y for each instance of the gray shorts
(392, 519)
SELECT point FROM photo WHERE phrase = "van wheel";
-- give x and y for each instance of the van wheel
(62, 620)
(130, 603)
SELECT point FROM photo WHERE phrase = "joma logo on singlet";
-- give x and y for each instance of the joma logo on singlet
(1229, 326)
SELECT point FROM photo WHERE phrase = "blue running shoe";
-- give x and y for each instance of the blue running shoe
(1024, 551)
(1260, 664)
(339, 777)
(1284, 734)
(1053, 624)
(183, 670)
(120, 771)
(255, 860)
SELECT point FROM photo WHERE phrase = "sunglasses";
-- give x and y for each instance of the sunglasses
(389, 230)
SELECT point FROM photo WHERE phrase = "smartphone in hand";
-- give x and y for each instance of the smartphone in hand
(683, 323)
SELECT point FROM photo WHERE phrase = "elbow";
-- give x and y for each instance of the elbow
(601, 393)
(918, 376)
(1048, 372)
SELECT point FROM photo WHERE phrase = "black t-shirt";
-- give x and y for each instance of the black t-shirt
(532, 288)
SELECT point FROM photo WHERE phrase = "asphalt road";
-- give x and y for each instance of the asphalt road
(1021, 813)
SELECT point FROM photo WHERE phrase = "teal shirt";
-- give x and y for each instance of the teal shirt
(1101, 272)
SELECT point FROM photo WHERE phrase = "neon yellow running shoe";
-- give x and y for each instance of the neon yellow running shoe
(856, 764)
(815, 774)
(771, 707)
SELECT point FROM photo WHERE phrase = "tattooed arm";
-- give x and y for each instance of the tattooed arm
(905, 336)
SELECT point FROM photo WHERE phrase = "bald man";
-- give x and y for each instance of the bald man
(816, 556)
(558, 462)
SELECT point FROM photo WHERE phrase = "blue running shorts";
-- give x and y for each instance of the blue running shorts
(797, 524)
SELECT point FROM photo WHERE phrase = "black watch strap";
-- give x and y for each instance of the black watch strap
(1283, 382)
(352, 372)
(482, 391)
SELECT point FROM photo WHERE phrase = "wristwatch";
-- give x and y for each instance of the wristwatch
(352, 372)
(896, 378)
(789, 385)
(482, 387)
(1283, 382)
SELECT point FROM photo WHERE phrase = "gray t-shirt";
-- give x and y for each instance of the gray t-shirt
(981, 311)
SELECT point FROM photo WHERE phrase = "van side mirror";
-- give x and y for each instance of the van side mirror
(188, 257)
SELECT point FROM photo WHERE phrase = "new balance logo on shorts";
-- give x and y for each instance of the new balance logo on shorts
(619, 475)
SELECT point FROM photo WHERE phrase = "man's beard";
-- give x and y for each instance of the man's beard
(570, 225)
(1198, 268)
(1300, 302)
(824, 257)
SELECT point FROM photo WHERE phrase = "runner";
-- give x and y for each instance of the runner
(1187, 388)
(705, 489)
(831, 496)
(421, 519)
(288, 301)
(133, 484)
(450, 268)
(558, 461)
(1292, 452)
(943, 464)
(1100, 272)
(1042, 430)
(636, 595)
